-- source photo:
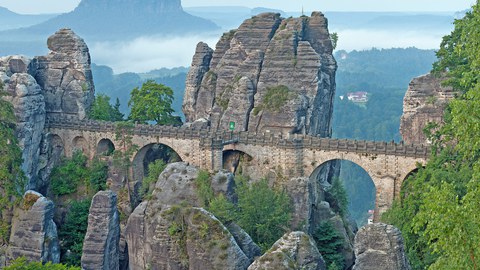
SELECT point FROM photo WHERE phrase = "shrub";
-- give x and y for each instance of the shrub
(22, 264)
(154, 171)
(329, 244)
(66, 177)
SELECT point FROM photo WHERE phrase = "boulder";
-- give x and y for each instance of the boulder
(34, 234)
(295, 250)
(424, 102)
(101, 244)
(65, 75)
(244, 241)
(380, 247)
(238, 81)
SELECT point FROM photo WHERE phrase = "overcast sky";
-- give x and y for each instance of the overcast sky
(57, 6)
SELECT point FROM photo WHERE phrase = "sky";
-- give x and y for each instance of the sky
(58, 6)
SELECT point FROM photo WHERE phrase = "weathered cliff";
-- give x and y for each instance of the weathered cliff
(101, 244)
(29, 104)
(424, 102)
(65, 75)
(34, 234)
(270, 74)
(380, 247)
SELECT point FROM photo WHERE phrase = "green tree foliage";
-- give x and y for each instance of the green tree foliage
(12, 179)
(102, 109)
(72, 232)
(22, 264)
(264, 213)
(71, 172)
(204, 188)
(329, 244)
(152, 102)
(438, 211)
(154, 170)
(334, 39)
(337, 196)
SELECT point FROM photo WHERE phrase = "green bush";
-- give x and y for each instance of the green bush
(23, 264)
(154, 171)
(274, 99)
(72, 232)
(204, 188)
(98, 174)
(66, 177)
(329, 244)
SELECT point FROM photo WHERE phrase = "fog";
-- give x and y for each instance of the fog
(148, 53)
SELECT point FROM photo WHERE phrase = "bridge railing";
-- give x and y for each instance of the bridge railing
(207, 136)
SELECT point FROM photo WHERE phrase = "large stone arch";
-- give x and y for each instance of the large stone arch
(80, 143)
(236, 159)
(57, 145)
(138, 160)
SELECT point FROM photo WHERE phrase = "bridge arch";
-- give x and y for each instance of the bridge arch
(236, 161)
(358, 185)
(80, 143)
(105, 147)
(148, 154)
(57, 145)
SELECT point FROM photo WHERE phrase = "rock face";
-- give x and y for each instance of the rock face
(34, 234)
(29, 105)
(101, 244)
(424, 102)
(180, 237)
(380, 247)
(169, 232)
(295, 250)
(271, 74)
(65, 75)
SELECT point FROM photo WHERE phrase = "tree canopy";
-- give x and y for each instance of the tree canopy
(152, 103)
(438, 210)
(102, 109)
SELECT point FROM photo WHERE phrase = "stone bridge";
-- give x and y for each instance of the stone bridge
(388, 164)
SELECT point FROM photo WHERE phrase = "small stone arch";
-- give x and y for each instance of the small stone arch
(105, 147)
(80, 143)
(149, 153)
(235, 160)
(361, 209)
(57, 147)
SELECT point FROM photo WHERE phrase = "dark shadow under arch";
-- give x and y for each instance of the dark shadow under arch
(150, 153)
(80, 143)
(235, 160)
(105, 147)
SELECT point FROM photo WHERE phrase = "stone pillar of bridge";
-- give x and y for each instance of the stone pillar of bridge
(385, 186)
(217, 155)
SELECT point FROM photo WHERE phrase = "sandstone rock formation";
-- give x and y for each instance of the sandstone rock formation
(295, 250)
(424, 102)
(34, 234)
(29, 105)
(101, 244)
(271, 74)
(180, 237)
(380, 247)
(65, 75)
(169, 232)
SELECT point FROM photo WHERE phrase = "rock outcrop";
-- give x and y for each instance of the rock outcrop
(34, 234)
(65, 75)
(271, 74)
(380, 247)
(101, 244)
(424, 102)
(180, 237)
(295, 250)
(29, 104)
(170, 232)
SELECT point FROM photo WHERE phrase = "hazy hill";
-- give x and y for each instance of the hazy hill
(109, 20)
(12, 20)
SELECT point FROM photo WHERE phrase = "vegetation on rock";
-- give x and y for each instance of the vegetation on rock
(154, 170)
(72, 232)
(23, 264)
(74, 171)
(275, 98)
(264, 213)
(329, 244)
(438, 210)
(12, 179)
